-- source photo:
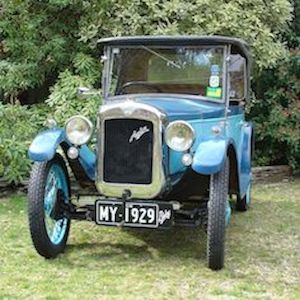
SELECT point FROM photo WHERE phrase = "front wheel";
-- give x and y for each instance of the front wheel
(217, 218)
(48, 185)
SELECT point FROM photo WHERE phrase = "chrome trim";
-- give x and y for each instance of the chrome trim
(124, 110)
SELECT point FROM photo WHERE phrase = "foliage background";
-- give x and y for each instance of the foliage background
(48, 48)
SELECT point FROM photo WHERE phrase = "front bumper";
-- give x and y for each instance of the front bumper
(168, 213)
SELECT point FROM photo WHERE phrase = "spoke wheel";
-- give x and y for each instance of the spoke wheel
(48, 182)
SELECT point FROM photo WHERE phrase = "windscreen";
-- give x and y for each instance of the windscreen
(173, 70)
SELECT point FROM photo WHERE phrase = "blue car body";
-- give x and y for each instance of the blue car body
(209, 150)
(220, 130)
(172, 144)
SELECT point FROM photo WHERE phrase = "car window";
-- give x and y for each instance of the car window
(180, 70)
(237, 74)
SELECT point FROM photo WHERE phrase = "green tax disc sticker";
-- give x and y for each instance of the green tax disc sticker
(214, 92)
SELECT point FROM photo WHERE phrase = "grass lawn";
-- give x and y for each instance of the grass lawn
(262, 257)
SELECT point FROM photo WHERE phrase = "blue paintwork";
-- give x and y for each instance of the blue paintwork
(185, 109)
(209, 151)
(44, 145)
(210, 156)
(248, 194)
(56, 180)
(245, 160)
(87, 158)
(178, 108)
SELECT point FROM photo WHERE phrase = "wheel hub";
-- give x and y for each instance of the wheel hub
(57, 212)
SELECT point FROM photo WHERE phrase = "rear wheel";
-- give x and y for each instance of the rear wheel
(49, 228)
(242, 204)
(217, 218)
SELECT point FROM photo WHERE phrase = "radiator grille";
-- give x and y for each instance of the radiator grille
(128, 151)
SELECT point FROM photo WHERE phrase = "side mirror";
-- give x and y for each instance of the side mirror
(84, 92)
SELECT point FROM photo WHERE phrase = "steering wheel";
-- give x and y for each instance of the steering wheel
(137, 83)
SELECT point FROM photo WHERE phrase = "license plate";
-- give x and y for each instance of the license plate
(132, 214)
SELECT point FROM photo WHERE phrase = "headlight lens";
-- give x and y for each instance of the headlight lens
(79, 130)
(179, 136)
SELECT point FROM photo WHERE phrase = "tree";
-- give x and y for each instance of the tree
(40, 39)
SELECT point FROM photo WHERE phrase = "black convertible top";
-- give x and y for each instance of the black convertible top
(185, 40)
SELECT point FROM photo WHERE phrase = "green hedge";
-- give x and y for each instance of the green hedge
(276, 113)
(19, 124)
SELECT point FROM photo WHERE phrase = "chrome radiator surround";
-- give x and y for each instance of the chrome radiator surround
(130, 109)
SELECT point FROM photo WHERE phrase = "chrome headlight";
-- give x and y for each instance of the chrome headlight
(179, 135)
(79, 130)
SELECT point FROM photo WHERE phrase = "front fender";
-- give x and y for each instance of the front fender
(210, 156)
(43, 147)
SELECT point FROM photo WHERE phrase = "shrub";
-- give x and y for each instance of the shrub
(41, 39)
(18, 126)
(38, 40)
(64, 101)
(276, 113)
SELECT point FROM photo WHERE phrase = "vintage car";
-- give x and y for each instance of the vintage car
(172, 146)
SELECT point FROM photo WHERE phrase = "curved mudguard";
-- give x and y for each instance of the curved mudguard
(246, 155)
(44, 146)
(210, 156)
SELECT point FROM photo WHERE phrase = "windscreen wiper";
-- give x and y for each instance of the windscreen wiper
(170, 62)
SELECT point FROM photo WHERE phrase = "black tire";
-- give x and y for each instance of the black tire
(36, 213)
(216, 218)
